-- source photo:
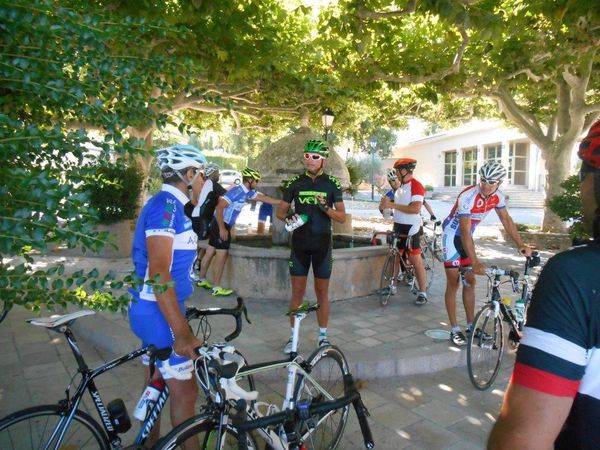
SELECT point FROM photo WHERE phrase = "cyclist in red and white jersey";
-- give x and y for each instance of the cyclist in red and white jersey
(407, 203)
(471, 207)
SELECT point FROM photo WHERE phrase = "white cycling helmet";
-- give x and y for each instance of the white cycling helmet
(391, 175)
(493, 171)
(210, 169)
(179, 156)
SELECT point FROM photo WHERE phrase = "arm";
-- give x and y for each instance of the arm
(467, 241)
(282, 210)
(411, 208)
(529, 419)
(512, 231)
(223, 203)
(159, 263)
(429, 210)
(266, 199)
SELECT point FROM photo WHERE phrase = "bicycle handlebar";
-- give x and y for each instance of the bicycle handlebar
(192, 312)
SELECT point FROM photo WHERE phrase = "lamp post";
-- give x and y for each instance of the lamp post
(372, 144)
(327, 120)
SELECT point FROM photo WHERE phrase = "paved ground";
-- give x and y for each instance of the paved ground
(431, 406)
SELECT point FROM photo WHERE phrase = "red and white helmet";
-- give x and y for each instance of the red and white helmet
(589, 149)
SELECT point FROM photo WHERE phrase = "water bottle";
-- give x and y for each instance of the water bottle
(520, 310)
(118, 415)
(148, 398)
(302, 219)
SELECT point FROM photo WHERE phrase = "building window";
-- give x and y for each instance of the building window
(493, 152)
(450, 168)
(518, 157)
(469, 166)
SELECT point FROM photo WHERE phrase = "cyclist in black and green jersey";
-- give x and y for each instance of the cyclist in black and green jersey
(317, 196)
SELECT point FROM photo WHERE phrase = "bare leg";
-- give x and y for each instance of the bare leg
(468, 295)
(452, 283)
(260, 229)
(322, 293)
(298, 291)
(206, 260)
(183, 402)
(220, 260)
(417, 262)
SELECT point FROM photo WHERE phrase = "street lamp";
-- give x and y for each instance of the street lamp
(373, 144)
(327, 120)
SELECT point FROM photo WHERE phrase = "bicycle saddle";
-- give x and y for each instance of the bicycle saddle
(57, 320)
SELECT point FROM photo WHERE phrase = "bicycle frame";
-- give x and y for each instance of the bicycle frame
(297, 373)
(71, 404)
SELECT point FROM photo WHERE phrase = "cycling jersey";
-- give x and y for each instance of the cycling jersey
(407, 193)
(209, 197)
(164, 215)
(237, 197)
(302, 190)
(471, 203)
(390, 194)
(560, 350)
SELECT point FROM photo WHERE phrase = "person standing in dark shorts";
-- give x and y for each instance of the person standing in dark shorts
(318, 197)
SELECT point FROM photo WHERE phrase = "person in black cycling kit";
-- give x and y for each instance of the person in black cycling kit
(553, 400)
(318, 196)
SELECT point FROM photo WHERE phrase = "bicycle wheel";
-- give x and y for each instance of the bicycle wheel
(437, 248)
(387, 283)
(201, 432)
(32, 428)
(3, 311)
(428, 263)
(327, 367)
(485, 348)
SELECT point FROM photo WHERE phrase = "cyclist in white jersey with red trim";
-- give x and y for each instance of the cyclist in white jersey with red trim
(471, 207)
(407, 203)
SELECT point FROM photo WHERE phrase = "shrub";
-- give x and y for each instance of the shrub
(114, 191)
(567, 206)
(428, 187)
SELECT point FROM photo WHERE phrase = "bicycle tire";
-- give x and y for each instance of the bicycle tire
(32, 427)
(386, 282)
(202, 428)
(485, 347)
(328, 366)
(4, 311)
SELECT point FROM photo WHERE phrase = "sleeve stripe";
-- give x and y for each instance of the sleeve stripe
(541, 381)
(554, 345)
(169, 232)
(417, 198)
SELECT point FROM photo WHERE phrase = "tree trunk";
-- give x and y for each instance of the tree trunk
(558, 163)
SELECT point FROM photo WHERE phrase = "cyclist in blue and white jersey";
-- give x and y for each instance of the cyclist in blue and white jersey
(553, 400)
(164, 249)
(219, 238)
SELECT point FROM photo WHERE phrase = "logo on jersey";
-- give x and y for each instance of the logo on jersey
(310, 197)
(168, 214)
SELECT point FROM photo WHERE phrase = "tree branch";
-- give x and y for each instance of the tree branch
(364, 13)
(521, 118)
(454, 68)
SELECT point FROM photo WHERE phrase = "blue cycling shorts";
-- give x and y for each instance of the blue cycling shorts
(148, 324)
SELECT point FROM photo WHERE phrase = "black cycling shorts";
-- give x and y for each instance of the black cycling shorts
(415, 239)
(214, 239)
(307, 250)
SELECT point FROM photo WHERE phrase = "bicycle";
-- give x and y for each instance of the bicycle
(485, 344)
(312, 416)
(65, 425)
(431, 241)
(398, 268)
(4, 310)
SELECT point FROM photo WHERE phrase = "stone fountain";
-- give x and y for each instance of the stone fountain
(262, 272)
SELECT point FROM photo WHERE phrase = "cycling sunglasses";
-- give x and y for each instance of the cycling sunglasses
(314, 156)
(490, 182)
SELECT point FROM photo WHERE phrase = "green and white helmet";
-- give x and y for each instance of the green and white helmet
(317, 146)
(251, 173)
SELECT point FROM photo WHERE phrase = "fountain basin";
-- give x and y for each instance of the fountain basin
(263, 272)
